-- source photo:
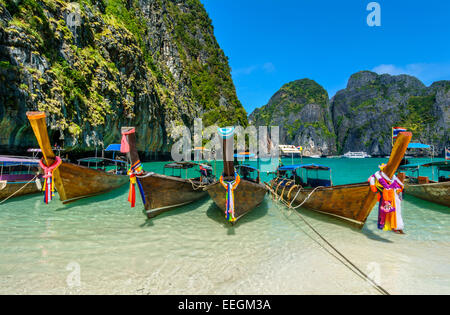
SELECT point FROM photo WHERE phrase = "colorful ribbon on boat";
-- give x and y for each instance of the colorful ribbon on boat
(124, 145)
(49, 186)
(134, 171)
(230, 187)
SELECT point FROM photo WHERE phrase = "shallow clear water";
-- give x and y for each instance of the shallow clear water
(111, 248)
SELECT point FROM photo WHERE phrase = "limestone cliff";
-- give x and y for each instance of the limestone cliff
(364, 112)
(97, 65)
(302, 111)
(359, 117)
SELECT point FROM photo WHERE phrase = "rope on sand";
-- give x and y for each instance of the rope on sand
(18, 190)
(356, 270)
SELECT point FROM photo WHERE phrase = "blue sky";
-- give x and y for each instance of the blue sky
(272, 42)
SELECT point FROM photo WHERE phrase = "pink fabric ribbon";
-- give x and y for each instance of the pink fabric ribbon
(124, 145)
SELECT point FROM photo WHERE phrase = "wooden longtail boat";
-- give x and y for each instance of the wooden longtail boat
(72, 181)
(424, 188)
(352, 202)
(163, 193)
(19, 176)
(248, 194)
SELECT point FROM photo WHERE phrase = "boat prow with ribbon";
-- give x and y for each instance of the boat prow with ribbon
(352, 202)
(236, 193)
(161, 192)
(71, 181)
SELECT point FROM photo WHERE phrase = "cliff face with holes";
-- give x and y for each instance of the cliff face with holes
(96, 65)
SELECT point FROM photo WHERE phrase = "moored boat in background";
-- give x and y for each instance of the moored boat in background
(19, 176)
(72, 181)
(424, 188)
(160, 192)
(356, 155)
(352, 202)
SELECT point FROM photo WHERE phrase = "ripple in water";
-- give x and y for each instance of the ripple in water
(111, 248)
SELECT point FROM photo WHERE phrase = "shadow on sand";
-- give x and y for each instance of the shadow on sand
(310, 214)
(216, 214)
(175, 211)
(98, 198)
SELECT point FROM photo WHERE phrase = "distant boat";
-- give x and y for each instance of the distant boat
(356, 155)
(19, 176)
(315, 156)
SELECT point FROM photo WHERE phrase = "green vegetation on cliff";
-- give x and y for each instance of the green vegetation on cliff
(291, 99)
(211, 79)
(97, 64)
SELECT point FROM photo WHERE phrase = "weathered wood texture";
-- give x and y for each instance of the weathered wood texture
(434, 192)
(12, 187)
(163, 193)
(247, 196)
(353, 202)
(72, 181)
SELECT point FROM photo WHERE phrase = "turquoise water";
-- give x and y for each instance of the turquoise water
(101, 245)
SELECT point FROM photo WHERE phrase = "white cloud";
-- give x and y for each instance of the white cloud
(244, 71)
(426, 72)
(268, 67)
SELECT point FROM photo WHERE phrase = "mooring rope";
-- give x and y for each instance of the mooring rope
(195, 186)
(18, 190)
(356, 269)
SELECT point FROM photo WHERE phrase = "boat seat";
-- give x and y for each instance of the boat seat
(314, 182)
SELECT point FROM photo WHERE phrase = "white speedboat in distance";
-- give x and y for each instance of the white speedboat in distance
(356, 155)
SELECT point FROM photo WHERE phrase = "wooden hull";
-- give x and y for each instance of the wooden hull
(350, 202)
(164, 193)
(10, 188)
(72, 181)
(247, 196)
(434, 192)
